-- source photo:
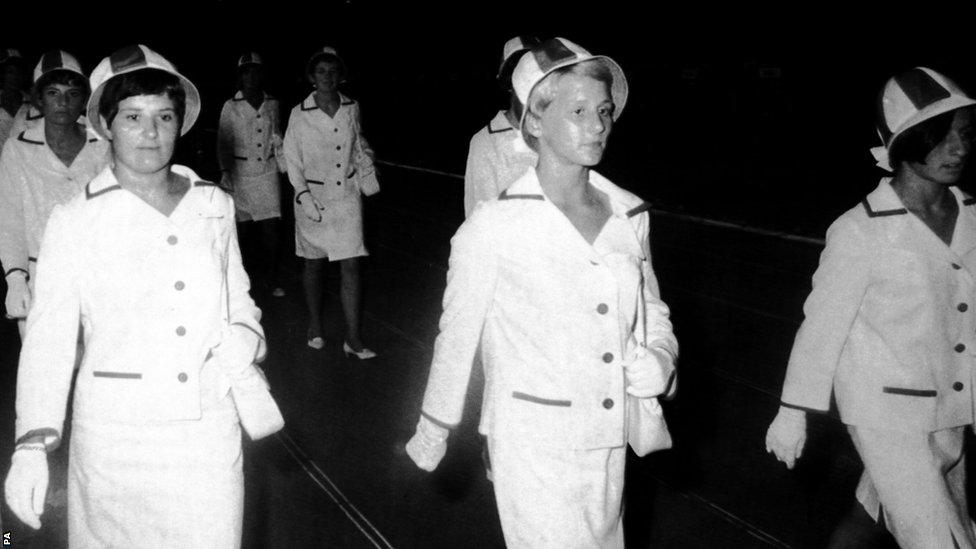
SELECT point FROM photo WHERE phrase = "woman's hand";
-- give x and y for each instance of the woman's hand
(428, 445)
(18, 299)
(787, 435)
(26, 486)
(650, 373)
(311, 207)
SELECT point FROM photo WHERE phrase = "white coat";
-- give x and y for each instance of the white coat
(33, 180)
(497, 156)
(147, 290)
(248, 147)
(554, 316)
(7, 119)
(329, 158)
(889, 324)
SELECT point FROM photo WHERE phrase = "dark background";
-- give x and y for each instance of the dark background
(759, 115)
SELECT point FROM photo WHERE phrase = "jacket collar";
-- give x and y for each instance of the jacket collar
(500, 123)
(309, 103)
(203, 199)
(905, 230)
(34, 134)
(528, 187)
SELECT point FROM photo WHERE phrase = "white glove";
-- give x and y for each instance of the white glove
(26, 486)
(311, 207)
(238, 349)
(18, 300)
(787, 435)
(649, 373)
(428, 445)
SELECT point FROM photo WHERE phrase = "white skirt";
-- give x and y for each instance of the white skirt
(168, 484)
(257, 197)
(338, 236)
(558, 498)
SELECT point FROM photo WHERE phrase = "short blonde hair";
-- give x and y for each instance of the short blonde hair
(544, 93)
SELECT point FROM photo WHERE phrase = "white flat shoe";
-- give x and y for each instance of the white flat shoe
(365, 354)
(316, 342)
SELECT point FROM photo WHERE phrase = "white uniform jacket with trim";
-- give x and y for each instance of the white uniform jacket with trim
(328, 156)
(148, 292)
(7, 121)
(248, 138)
(497, 156)
(33, 180)
(554, 315)
(889, 323)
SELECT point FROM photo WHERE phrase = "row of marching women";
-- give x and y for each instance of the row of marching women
(127, 268)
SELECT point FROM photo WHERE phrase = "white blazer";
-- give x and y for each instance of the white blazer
(147, 290)
(554, 316)
(248, 138)
(889, 323)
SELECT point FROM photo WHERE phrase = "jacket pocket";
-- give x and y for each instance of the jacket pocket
(538, 400)
(909, 392)
(117, 375)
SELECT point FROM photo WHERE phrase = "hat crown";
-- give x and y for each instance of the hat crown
(57, 60)
(249, 58)
(914, 96)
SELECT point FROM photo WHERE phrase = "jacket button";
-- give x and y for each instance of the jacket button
(181, 331)
(338, 147)
(608, 403)
(182, 377)
(602, 308)
(959, 347)
(259, 144)
(172, 239)
(956, 266)
(335, 130)
(338, 182)
(608, 357)
(957, 386)
(259, 159)
(179, 285)
(962, 307)
(259, 130)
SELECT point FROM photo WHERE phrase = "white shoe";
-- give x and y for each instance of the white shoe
(316, 342)
(365, 354)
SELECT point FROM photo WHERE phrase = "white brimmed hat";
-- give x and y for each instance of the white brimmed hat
(911, 98)
(556, 53)
(130, 59)
(513, 46)
(249, 58)
(57, 60)
(10, 54)
(324, 50)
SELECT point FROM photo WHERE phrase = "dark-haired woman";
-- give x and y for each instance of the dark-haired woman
(331, 167)
(248, 144)
(889, 326)
(42, 166)
(146, 259)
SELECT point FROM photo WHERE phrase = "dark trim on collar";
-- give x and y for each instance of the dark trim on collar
(89, 195)
(31, 259)
(349, 102)
(881, 213)
(968, 201)
(25, 140)
(93, 140)
(312, 108)
(204, 183)
(503, 130)
(34, 117)
(506, 196)
(803, 408)
(236, 99)
(646, 206)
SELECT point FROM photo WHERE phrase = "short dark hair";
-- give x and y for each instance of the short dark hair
(915, 143)
(323, 56)
(141, 82)
(63, 77)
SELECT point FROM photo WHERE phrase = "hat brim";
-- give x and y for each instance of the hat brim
(192, 111)
(618, 91)
(949, 104)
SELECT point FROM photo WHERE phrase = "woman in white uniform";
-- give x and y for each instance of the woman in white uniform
(554, 280)
(13, 100)
(248, 146)
(146, 259)
(330, 165)
(889, 326)
(44, 165)
(497, 154)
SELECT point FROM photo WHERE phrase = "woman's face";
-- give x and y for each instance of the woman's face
(62, 104)
(251, 77)
(325, 76)
(945, 162)
(574, 128)
(144, 133)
